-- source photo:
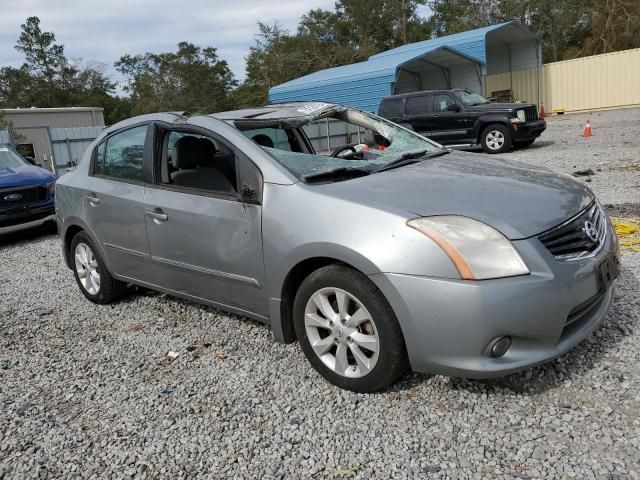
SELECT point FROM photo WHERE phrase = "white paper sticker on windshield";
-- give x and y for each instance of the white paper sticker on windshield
(4, 149)
(310, 108)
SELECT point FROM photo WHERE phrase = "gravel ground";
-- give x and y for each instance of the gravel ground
(612, 153)
(86, 392)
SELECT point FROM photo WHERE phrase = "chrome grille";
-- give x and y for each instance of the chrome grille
(577, 237)
(531, 114)
(12, 197)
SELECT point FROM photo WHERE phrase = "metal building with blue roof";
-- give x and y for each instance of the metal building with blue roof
(461, 60)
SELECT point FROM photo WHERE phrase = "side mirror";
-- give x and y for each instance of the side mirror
(31, 160)
(454, 107)
(248, 192)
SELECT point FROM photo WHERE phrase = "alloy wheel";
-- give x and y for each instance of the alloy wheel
(87, 268)
(495, 139)
(341, 332)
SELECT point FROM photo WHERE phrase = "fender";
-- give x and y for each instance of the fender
(69, 222)
(489, 119)
(336, 252)
(281, 326)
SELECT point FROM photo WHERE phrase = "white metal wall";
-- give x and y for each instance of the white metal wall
(66, 144)
(69, 144)
(505, 58)
(466, 76)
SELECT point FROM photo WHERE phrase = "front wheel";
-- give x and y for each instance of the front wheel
(348, 331)
(496, 139)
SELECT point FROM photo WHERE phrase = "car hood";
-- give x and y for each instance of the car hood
(23, 176)
(499, 107)
(518, 199)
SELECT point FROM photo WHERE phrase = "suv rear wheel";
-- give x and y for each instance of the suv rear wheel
(91, 273)
(496, 138)
(348, 331)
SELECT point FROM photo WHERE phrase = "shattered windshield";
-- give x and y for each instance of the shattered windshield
(334, 138)
(469, 99)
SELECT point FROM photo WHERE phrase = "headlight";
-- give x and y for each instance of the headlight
(477, 250)
(520, 117)
(51, 186)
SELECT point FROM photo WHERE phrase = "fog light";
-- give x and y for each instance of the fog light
(500, 346)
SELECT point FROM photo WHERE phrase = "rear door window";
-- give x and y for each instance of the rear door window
(416, 105)
(442, 102)
(392, 108)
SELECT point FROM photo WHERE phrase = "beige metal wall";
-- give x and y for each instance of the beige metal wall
(34, 126)
(55, 117)
(590, 83)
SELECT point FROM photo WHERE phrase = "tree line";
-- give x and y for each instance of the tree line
(195, 79)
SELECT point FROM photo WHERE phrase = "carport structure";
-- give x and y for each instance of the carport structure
(443, 67)
(462, 60)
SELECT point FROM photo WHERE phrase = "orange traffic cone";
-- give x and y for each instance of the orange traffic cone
(542, 113)
(586, 132)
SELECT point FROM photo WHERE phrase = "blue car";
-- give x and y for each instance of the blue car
(26, 193)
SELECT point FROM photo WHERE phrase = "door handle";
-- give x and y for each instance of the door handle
(157, 216)
(93, 200)
(436, 116)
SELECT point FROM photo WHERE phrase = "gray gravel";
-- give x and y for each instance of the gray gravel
(87, 391)
(613, 152)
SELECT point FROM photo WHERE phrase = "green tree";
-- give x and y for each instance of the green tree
(614, 25)
(191, 79)
(377, 25)
(48, 79)
(325, 39)
(568, 29)
(276, 58)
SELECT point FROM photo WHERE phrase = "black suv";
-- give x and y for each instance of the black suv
(462, 118)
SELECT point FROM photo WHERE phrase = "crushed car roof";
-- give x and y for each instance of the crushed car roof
(300, 110)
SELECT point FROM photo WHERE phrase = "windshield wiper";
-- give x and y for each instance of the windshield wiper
(410, 158)
(345, 172)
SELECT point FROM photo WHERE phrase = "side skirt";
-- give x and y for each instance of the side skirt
(193, 298)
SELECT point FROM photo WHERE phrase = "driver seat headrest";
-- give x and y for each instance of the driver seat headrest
(263, 140)
(189, 152)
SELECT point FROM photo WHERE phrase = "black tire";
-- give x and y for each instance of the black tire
(391, 360)
(109, 289)
(523, 143)
(493, 131)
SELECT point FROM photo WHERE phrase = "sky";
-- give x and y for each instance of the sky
(106, 30)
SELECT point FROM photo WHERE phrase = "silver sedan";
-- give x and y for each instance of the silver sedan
(384, 253)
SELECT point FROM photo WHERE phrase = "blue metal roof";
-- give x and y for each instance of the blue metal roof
(363, 84)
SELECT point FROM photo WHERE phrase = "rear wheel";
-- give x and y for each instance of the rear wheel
(496, 138)
(91, 273)
(348, 331)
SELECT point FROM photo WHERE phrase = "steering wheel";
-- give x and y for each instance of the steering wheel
(339, 150)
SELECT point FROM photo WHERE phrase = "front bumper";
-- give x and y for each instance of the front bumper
(528, 131)
(448, 324)
(25, 217)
